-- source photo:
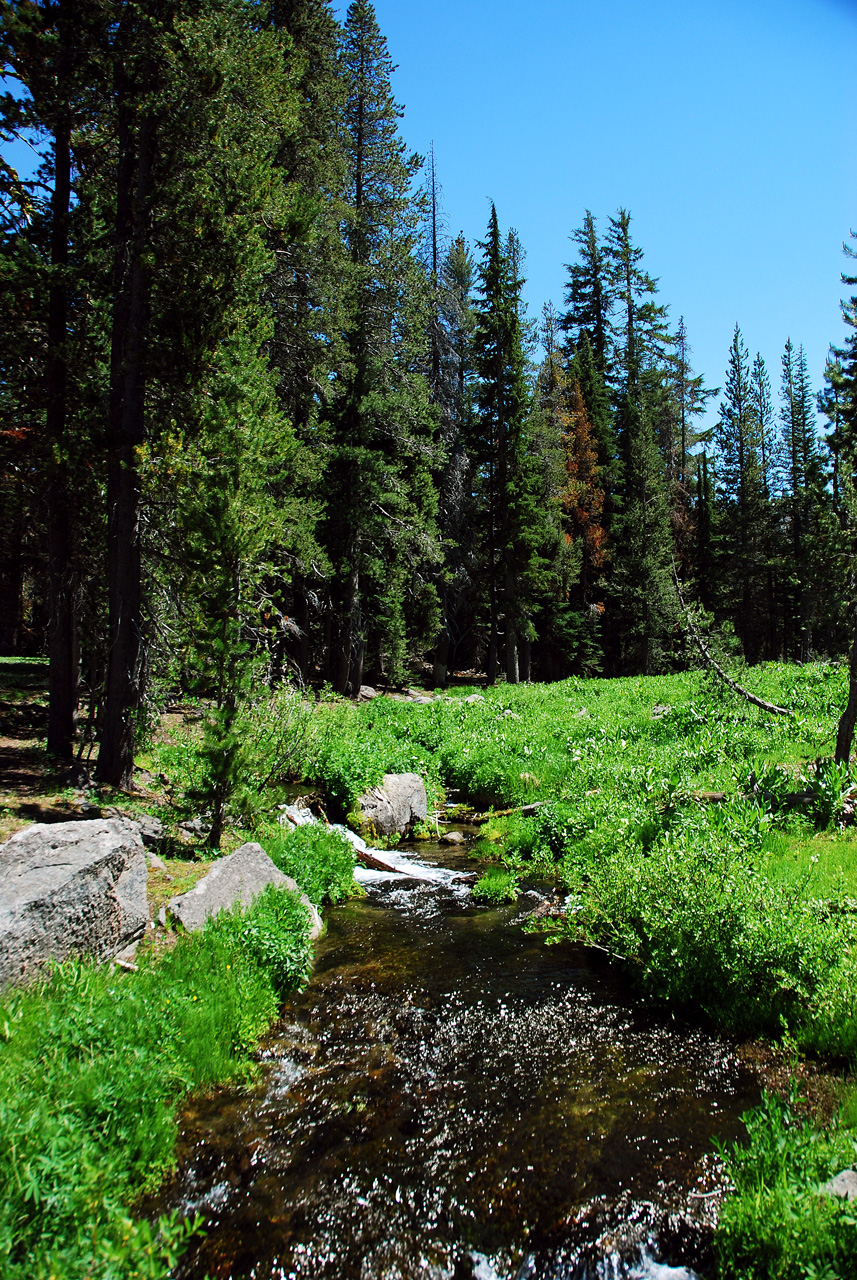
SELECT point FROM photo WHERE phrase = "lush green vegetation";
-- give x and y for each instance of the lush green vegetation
(699, 841)
(778, 1225)
(93, 1064)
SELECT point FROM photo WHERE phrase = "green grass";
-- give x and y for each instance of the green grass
(496, 885)
(92, 1066)
(777, 1225)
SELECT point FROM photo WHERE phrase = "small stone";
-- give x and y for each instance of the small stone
(195, 826)
(154, 862)
(451, 837)
(367, 692)
(162, 917)
(843, 1186)
(473, 698)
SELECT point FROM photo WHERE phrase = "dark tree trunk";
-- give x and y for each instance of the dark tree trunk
(524, 658)
(440, 669)
(126, 432)
(12, 587)
(343, 677)
(848, 719)
(62, 585)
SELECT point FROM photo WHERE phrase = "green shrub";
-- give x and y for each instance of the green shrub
(496, 885)
(319, 858)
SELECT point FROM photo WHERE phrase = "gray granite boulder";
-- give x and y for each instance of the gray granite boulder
(236, 880)
(69, 888)
(844, 1185)
(395, 806)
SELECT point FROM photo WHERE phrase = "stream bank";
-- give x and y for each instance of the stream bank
(451, 1097)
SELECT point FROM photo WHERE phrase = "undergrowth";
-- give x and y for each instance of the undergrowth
(778, 1224)
(92, 1066)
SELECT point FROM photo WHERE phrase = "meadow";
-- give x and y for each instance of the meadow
(703, 843)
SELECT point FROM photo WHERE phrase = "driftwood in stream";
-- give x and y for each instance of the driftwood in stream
(709, 659)
(526, 809)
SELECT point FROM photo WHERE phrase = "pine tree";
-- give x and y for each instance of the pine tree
(195, 185)
(500, 447)
(802, 484)
(379, 529)
(741, 497)
(589, 295)
(53, 51)
(455, 508)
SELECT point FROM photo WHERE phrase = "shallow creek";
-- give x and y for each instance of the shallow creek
(451, 1097)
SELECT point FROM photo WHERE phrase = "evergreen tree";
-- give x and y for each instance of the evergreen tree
(589, 295)
(379, 529)
(802, 484)
(195, 186)
(741, 497)
(645, 607)
(53, 51)
(499, 450)
(455, 508)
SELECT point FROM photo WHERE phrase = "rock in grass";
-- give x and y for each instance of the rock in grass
(69, 888)
(397, 804)
(235, 881)
(843, 1186)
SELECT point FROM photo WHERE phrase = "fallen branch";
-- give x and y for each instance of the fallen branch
(715, 666)
(526, 809)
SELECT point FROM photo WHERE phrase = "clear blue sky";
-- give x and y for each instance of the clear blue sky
(727, 129)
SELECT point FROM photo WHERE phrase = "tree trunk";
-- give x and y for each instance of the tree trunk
(848, 719)
(126, 432)
(525, 651)
(511, 653)
(347, 636)
(62, 587)
(440, 669)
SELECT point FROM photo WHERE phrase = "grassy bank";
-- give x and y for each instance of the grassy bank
(94, 1063)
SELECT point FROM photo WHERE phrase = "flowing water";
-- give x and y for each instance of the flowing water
(451, 1097)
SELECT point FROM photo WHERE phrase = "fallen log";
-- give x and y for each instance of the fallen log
(527, 810)
(770, 707)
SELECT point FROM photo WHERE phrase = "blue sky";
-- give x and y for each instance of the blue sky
(727, 129)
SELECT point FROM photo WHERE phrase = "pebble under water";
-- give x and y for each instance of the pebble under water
(450, 1097)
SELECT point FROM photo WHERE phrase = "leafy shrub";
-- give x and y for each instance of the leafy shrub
(496, 885)
(702, 928)
(319, 858)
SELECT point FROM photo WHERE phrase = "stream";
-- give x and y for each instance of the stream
(450, 1097)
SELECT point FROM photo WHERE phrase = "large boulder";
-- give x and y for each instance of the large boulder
(69, 888)
(395, 806)
(235, 881)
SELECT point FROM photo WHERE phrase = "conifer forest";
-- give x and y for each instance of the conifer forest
(265, 421)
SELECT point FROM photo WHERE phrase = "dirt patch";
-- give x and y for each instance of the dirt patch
(819, 1091)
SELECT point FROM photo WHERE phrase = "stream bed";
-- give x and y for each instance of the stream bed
(450, 1097)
